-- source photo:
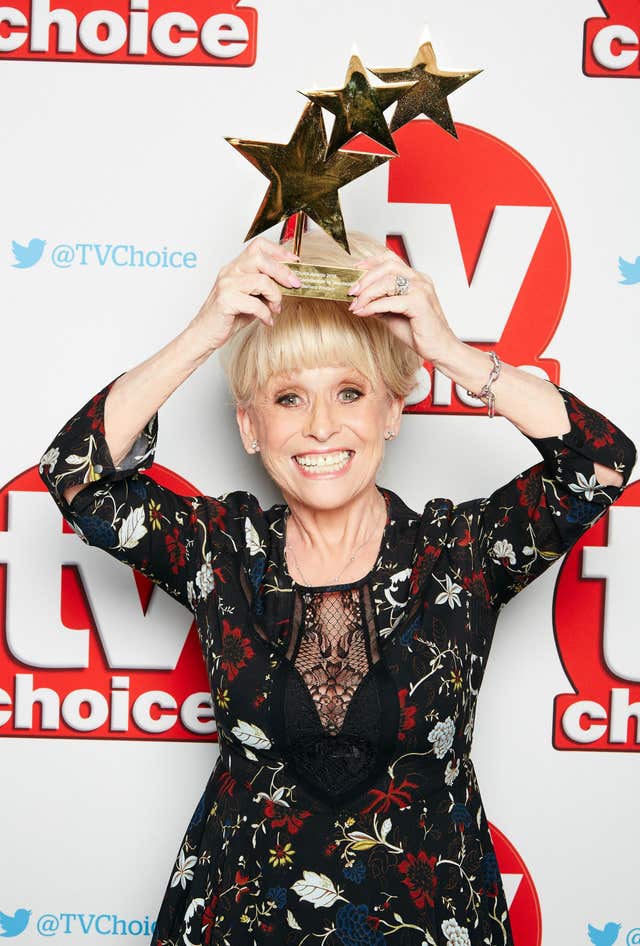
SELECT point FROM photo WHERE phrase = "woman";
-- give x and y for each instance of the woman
(345, 635)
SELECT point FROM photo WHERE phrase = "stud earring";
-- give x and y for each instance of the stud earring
(389, 435)
(254, 446)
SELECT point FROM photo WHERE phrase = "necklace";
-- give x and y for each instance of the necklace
(307, 596)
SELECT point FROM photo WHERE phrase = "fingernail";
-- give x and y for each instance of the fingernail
(358, 310)
(354, 289)
(294, 282)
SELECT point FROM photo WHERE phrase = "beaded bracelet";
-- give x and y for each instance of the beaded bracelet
(486, 390)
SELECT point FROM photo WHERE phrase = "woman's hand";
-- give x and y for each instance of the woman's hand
(415, 317)
(246, 288)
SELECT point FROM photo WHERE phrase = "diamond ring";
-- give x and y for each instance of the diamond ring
(402, 286)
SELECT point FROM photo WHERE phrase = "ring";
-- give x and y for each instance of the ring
(402, 286)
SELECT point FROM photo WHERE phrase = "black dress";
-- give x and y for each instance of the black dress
(343, 808)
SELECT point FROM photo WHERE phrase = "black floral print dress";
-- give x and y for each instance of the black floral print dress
(343, 807)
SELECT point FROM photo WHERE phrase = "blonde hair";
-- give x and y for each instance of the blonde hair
(313, 332)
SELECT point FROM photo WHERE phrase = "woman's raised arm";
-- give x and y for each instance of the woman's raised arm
(94, 466)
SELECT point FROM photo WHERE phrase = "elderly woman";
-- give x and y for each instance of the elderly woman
(345, 635)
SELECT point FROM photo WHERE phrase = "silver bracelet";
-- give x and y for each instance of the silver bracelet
(486, 390)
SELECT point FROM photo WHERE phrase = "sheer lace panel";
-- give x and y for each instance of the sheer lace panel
(334, 644)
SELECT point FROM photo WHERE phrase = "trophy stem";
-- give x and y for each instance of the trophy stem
(299, 230)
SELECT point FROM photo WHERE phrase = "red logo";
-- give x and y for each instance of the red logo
(612, 42)
(596, 635)
(482, 222)
(520, 892)
(89, 647)
(152, 32)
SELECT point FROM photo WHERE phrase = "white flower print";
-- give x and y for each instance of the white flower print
(584, 485)
(204, 577)
(183, 871)
(503, 549)
(50, 458)
(456, 935)
(191, 595)
(450, 594)
(451, 771)
(442, 737)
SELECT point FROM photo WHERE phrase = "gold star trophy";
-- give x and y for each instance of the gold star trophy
(306, 173)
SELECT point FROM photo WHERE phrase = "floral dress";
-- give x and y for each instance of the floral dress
(343, 808)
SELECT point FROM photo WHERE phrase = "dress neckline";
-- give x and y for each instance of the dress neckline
(341, 586)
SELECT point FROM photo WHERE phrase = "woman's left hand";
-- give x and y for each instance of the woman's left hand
(416, 316)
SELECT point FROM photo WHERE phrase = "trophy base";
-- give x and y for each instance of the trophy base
(323, 282)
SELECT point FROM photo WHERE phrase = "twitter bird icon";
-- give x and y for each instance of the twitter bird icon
(605, 937)
(29, 255)
(629, 271)
(14, 925)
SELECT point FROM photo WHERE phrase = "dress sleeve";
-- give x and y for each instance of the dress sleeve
(527, 524)
(165, 536)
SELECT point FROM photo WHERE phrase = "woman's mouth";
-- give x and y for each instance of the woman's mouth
(317, 464)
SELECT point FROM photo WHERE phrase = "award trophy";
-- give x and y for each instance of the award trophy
(306, 173)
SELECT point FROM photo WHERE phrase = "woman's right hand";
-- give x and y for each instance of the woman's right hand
(246, 288)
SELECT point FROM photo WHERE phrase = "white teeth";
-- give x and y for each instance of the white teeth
(325, 460)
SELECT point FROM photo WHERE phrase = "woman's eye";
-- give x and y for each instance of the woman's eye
(284, 398)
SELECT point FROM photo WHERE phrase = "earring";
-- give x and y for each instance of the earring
(389, 435)
(254, 446)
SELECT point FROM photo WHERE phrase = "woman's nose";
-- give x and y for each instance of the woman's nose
(322, 421)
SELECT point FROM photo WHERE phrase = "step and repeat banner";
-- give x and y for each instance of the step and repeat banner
(121, 200)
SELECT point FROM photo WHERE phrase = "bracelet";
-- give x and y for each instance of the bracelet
(486, 390)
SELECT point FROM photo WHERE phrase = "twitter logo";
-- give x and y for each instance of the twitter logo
(629, 271)
(14, 925)
(605, 937)
(29, 255)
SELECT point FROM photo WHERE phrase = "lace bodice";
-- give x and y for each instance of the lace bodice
(336, 706)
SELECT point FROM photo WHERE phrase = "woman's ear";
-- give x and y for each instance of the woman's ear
(245, 426)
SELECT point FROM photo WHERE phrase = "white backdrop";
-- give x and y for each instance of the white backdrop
(134, 154)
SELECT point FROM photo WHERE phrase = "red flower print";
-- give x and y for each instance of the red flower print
(97, 418)
(594, 426)
(217, 519)
(399, 796)
(531, 494)
(420, 878)
(282, 819)
(424, 563)
(227, 783)
(236, 650)
(465, 540)
(209, 919)
(476, 584)
(241, 882)
(176, 550)
(407, 714)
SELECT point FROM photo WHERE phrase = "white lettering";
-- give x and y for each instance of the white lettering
(141, 711)
(603, 47)
(614, 564)
(35, 633)
(572, 722)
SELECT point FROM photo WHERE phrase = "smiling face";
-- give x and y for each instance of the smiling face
(321, 432)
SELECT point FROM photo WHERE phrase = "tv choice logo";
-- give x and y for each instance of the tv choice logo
(116, 255)
(99, 651)
(150, 32)
(612, 42)
(595, 636)
(476, 216)
(54, 924)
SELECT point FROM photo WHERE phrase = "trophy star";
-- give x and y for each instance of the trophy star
(358, 107)
(302, 178)
(428, 92)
